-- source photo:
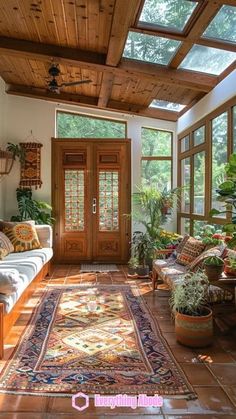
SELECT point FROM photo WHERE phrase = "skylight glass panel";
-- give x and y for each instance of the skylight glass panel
(169, 106)
(153, 49)
(208, 60)
(168, 13)
(223, 26)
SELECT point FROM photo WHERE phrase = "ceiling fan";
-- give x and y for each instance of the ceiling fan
(53, 85)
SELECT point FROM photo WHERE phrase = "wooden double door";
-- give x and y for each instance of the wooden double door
(91, 198)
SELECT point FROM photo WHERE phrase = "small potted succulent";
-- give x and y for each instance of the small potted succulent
(193, 318)
(230, 265)
(214, 267)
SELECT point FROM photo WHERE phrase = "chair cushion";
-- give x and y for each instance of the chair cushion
(192, 249)
(23, 237)
(5, 243)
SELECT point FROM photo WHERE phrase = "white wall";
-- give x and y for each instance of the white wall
(224, 91)
(25, 114)
(2, 130)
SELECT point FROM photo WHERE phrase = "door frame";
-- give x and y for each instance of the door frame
(56, 172)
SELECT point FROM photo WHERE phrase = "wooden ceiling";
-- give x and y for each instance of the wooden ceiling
(86, 38)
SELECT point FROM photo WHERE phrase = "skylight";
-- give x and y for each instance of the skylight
(169, 106)
(153, 49)
(208, 60)
(223, 26)
(168, 13)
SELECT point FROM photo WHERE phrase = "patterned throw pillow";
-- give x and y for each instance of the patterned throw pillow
(5, 243)
(7, 224)
(192, 249)
(23, 237)
(3, 253)
(181, 245)
(198, 262)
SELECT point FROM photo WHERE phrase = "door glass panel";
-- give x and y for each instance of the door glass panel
(199, 136)
(219, 156)
(199, 183)
(74, 200)
(108, 200)
(185, 179)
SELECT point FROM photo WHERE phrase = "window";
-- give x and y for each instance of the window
(156, 163)
(169, 106)
(223, 25)
(71, 125)
(203, 152)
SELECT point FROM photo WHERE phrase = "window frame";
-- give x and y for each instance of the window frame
(207, 147)
(158, 158)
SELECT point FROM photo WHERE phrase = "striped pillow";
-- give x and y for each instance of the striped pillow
(5, 243)
(192, 249)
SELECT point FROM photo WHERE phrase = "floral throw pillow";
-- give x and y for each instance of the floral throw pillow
(23, 237)
(191, 250)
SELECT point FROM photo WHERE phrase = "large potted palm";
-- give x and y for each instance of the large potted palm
(193, 318)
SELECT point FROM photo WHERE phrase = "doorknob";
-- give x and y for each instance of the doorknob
(94, 205)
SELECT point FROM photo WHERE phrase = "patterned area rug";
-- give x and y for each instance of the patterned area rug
(98, 268)
(94, 339)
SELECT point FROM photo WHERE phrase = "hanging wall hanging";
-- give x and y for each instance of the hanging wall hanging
(31, 167)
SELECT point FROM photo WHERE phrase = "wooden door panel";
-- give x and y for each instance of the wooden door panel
(86, 172)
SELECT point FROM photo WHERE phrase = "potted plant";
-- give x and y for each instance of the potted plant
(193, 319)
(214, 266)
(230, 266)
(132, 267)
(141, 250)
(30, 209)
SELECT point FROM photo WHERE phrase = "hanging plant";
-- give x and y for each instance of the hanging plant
(17, 151)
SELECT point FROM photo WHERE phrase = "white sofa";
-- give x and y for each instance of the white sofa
(25, 269)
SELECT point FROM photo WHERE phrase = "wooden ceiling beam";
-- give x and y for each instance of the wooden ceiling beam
(158, 73)
(123, 18)
(106, 89)
(208, 13)
(88, 101)
(127, 68)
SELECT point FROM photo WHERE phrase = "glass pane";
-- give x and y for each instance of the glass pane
(199, 183)
(197, 226)
(219, 155)
(185, 179)
(223, 26)
(156, 143)
(234, 129)
(208, 60)
(156, 173)
(74, 200)
(150, 48)
(168, 13)
(79, 126)
(170, 106)
(199, 136)
(185, 144)
(185, 226)
(109, 201)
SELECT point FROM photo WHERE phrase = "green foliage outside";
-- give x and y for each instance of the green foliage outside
(79, 126)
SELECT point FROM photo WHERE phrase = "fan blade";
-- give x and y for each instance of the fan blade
(74, 83)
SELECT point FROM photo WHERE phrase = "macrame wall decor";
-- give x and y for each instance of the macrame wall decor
(30, 174)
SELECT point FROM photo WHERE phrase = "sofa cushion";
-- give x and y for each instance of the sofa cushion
(181, 245)
(23, 237)
(198, 262)
(192, 249)
(9, 280)
(44, 255)
(5, 243)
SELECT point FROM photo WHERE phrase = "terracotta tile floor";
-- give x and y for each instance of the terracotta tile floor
(211, 371)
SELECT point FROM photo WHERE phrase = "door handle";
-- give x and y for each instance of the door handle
(94, 205)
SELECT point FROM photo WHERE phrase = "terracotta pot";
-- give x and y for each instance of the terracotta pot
(227, 269)
(213, 272)
(194, 331)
